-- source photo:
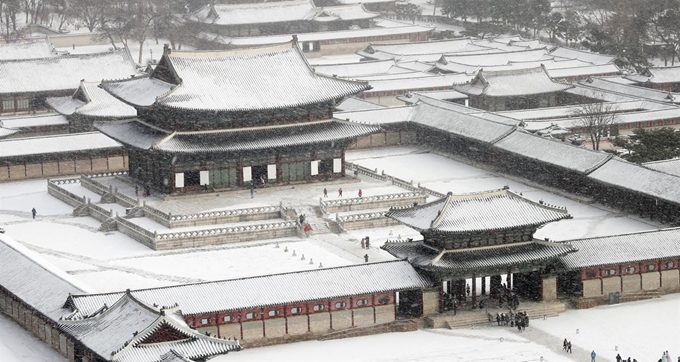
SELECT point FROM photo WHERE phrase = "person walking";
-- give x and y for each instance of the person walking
(325, 192)
(569, 346)
(34, 212)
(340, 192)
(368, 241)
(136, 190)
(564, 345)
(360, 193)
(366, 258)
(363, 243)
(592, 356)
(252, 191)
(618, 357)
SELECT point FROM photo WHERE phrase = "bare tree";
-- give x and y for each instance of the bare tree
(596, 119)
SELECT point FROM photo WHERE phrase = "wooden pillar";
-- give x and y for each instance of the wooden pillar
(483, 285)
(473, 291)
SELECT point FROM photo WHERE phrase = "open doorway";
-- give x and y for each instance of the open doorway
(259, 174)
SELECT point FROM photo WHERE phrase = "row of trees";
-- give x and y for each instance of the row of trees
(634, 30)
(118, 21)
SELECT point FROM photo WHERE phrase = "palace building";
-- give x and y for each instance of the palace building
(224, 119)
(482, 234)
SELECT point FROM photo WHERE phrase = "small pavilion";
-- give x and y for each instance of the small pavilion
(482, 234)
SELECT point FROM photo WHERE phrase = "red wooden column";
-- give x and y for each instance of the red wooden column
(473, 291)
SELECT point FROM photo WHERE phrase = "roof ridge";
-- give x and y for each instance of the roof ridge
(603, 238)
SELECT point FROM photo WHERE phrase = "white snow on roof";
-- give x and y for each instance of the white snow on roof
(660, 75)
(142, 91)
(668, 166)
(99, 103)
(33, 280)
(637, 178)
(277, 289)
(585, 56)
(511, 83)
(64, 72)
(61, 143)
(27, 50)
(420, 83)
(345, 13)
(604, 84)
(376, 116)
(625, 248)
(356, 104)
(499, 58)
(604, 69)
(256, 13)
(34, 121)
(355, 69)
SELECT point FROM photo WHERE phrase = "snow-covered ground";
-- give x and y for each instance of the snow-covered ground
(640, 330)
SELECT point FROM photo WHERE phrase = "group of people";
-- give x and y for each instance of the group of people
(620, 359)
(566, 346)
(665, 357)
(325, 192)
(365, 243)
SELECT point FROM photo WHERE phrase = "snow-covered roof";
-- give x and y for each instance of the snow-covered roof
(140, 91)
(511, 83)
(377, 116)
(624, 248)
(27, 50)
(174, 356)
(465, 125)
(637, 178)
(416, 66)
(237, 80)
(442, 95)
(6, 132)
(255, 13)
(365, 1)
(420, 83)
(58, 143)
(325, 35)
(553, 152)
(277, 289)
(597, 84)
(668, 166)
(586, 56)
(567, 111)
(141, 135)
(91, 100)
(34, 121)
(346, 12)
(356, 104)
(356, 69)
(64, 72)
(582, 71)
(130, 331)
(33, 280)
(662, 75)
(417, 48)
(497, 58)
(478, 260)
(478, 212)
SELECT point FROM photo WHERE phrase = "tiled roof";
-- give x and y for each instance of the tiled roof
(557, 73)
(356, 104)
(668, 166)
(465, 125)
(98, 103)
(28, 121)
(64, 72)
(133, 133)
(438, 95)
(416, 66)
(660, 75)
(118, 332)
(420, 83)
(277, 289)
(355, 69)
(344, 13)
(27, 50)
(477, 212)
(255, 13)
(636, 178)
(498, 58)
(428, 47)
(597, 84)
(327, 35)
(625, 248)
(553, 152)
(173, 356)
(475, 260)
(264, 137)
(58, 143)
(32, 281)
(141, 91)
(586, 56)
(242, 79)
(511, 83)
(566, 111)
(377, 116)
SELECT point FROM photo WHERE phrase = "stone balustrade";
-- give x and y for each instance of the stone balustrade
(365, 221)
(54, 189)
(373, 202)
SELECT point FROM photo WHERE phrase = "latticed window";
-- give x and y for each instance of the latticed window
(205, 321)
(296, 310)
(22, 103)
(318, 307)
(649, 267)
(339, 305)
(273, 313)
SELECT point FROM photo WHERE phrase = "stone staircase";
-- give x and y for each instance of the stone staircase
(313, 217)
(479, 318)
